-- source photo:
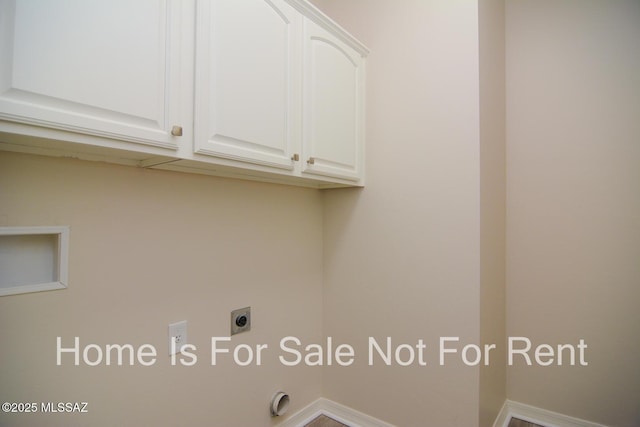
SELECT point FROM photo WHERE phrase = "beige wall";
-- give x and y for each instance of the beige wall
(149, 248)
(573, 103)
(417, 254)
(492, 205)
(402, 255)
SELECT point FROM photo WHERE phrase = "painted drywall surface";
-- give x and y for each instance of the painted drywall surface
(573, 224)
(402, 254)
(492, 205)
(148, 248)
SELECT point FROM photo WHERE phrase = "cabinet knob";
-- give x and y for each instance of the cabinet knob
(295, 157)
(311, 161)
(176, 131)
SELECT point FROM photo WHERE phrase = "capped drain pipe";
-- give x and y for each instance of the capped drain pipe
(279, 404)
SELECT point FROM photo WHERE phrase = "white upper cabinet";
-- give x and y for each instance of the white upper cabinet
(268, 90)
(333, 105)
(247, 81)
(103, 68)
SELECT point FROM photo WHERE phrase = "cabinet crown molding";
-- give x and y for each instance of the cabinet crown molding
(316, 15)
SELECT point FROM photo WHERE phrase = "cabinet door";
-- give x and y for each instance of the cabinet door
(246, 81)
(105, 68)
(333, 134)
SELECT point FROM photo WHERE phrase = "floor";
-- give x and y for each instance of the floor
(514, 422)
(323, 421)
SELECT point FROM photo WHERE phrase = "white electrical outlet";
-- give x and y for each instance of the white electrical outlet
(177, 336)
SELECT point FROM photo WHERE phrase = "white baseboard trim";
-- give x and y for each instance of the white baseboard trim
(354, 418)
(543, 417)
(334, 410)
(503, 418)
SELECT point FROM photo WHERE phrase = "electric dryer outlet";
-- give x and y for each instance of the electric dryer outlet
(240, 320)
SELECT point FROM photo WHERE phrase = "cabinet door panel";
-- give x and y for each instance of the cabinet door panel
(246, 81)
(91, 66)
(333, 107)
